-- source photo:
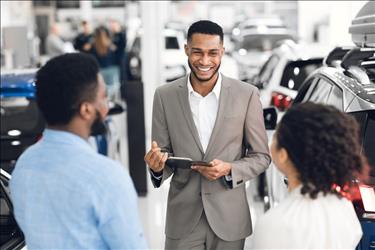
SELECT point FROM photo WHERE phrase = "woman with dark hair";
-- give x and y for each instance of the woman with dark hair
(105, 53)
(317, 148)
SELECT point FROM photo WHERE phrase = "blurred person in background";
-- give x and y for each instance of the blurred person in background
(83, 41)
(119, 40)
(317, 147)
(55, 45)
(106, 52)
(65, 194)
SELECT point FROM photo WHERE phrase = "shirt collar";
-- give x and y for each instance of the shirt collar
(65, 137)
(216, 90)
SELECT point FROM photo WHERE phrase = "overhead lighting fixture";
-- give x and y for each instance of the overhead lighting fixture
(14, 132)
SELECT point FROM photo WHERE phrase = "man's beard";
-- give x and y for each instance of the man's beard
(201, 79)
(98, 127)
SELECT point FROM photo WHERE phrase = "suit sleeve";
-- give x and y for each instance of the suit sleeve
(256, 158)
(160, 134)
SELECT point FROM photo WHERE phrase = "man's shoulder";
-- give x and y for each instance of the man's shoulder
(172, 86)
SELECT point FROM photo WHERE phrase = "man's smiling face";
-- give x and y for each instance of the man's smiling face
(204, 53)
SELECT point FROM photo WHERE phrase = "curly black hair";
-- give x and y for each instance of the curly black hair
(323, 145)
(205, 27)
(63, 83)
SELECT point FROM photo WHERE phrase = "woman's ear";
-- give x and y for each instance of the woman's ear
(283, 156)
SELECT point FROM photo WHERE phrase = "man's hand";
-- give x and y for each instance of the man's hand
(218, 169)
(155, 159)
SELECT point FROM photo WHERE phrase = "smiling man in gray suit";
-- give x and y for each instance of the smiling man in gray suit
(207, 116)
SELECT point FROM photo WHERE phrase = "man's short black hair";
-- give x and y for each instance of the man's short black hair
(205, 27)
(63, 83)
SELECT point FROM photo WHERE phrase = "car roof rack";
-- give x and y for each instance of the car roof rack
(363, 26)
(356, 56)
(336, 54)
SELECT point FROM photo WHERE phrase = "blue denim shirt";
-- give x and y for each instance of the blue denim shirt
(67, 196)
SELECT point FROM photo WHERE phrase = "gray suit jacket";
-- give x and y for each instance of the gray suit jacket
(238, 137)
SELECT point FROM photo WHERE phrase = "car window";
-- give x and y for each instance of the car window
(336, 98)
(320, 92)
(267, 70)
(171, 42)
(296, 72)
(306, 90)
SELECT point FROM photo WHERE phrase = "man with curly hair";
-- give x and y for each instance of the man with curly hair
(317, 148)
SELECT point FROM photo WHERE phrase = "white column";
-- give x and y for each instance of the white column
(86, 10)
(153, 14)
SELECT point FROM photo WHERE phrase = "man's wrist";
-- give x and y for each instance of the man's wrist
(229, 169)
(157, 173)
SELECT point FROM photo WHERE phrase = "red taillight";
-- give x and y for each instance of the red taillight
(280, 101)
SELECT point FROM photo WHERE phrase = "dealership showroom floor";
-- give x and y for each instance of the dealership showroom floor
(269, 59)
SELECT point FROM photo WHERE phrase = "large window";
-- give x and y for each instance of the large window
(107, 3)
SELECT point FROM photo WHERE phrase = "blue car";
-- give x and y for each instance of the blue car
(22, 124)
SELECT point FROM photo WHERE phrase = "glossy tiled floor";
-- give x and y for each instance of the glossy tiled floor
(152, 208)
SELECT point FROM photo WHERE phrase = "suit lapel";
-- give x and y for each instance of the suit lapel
(185, 106)
(224, 101)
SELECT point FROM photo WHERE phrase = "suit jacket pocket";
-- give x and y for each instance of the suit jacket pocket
(180, 177)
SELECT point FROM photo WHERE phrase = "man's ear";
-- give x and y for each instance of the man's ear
(186, 50)
(86, 111)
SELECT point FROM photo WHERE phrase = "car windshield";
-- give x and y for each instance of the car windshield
(261, 42)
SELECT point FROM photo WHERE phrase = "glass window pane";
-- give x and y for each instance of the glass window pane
(321, 92)
(336, 98)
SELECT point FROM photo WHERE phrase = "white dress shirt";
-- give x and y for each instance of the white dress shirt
(300, 222)
(204, 110)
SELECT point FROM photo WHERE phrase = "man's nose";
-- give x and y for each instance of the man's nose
(205, 60)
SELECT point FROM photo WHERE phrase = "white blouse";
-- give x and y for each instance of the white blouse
(300, 222)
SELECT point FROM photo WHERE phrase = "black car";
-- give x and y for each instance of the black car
(11, 236)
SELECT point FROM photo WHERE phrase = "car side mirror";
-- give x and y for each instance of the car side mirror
(270, 118)
(115, 108)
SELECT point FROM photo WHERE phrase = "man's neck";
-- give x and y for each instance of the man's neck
(77, 130)
(203, 87)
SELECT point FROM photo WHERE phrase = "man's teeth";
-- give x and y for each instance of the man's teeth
(204, 69)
